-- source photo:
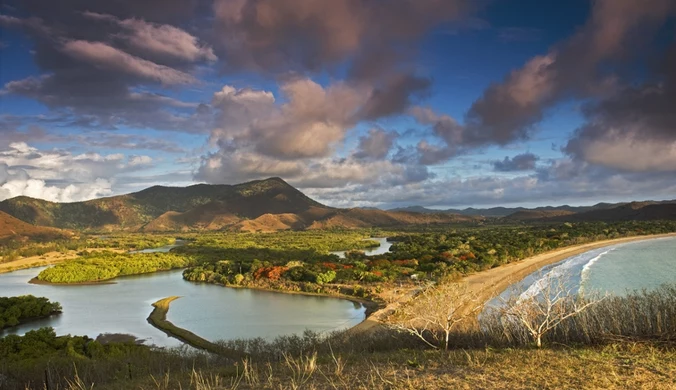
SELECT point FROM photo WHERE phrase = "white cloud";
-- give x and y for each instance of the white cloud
(61, 176)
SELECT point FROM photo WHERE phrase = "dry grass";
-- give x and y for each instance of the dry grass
(615, 366)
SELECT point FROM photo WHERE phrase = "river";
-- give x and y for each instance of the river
(383, 248)
(211, 311)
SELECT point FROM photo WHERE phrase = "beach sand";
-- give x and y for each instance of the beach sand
(487, 284)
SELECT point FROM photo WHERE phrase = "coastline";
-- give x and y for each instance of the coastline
(487, 284)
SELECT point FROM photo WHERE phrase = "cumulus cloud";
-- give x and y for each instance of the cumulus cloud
(309, 124)
(295, 138)
(634, 129)
(520, 162)
(61, 176)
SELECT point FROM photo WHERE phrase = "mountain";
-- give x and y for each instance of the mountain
(262, 205)
(175, 206)
(529, 215)
(499, 212)
(634, 211)
(12, 229)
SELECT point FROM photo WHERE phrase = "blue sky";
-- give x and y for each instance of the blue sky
(358, 103)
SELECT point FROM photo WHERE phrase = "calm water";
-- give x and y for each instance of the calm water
(210, 311)
(162, 249)
(383, 248)
(616, 269)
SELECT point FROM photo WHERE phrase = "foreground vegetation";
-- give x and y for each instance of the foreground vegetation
(640, 353)
(18, 310)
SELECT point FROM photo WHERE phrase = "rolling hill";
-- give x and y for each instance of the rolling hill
(12, 229)
(262, 205)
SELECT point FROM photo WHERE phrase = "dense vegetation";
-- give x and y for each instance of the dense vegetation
(40, 359)
(15, 250)
(102, 266)
(17, 310)
(434, 254)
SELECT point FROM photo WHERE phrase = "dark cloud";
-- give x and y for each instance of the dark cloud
(300, 35)
(375, 145)
(520, 162)
(615, 31)
(98, 57)
(634, 129)
(395, 96)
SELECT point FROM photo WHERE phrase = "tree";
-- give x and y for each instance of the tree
(542, 312)
(435, 311)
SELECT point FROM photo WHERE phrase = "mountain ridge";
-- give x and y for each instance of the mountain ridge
(259, 205)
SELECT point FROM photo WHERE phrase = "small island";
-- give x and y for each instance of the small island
(18, 310)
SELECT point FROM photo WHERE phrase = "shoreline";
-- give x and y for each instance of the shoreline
(158, 319)
(489, 283)
(371, 306)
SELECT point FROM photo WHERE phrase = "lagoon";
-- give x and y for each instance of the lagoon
(211, 311)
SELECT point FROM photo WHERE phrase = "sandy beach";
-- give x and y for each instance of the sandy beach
(487, 284)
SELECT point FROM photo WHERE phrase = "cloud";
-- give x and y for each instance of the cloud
(520, 162)
(161, 40)
(634, 129)
(375, 145)
(300, 35)
(561, 181)
(61, 176)
(107, 57)
(311, 121)
(295, 137)
(97, 72)
(578, 66)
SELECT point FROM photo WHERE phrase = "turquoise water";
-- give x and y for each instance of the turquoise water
(616, 269)
(632, 266)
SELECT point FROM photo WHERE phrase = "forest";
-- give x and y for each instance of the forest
(17, 310)
(301, 261)
(432, 254)
(101, 266)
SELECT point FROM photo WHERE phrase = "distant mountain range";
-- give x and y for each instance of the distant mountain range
(270, 205)
(640, 211)
(262, 205)
(498, 212)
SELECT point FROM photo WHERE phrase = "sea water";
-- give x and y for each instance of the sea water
(618, 269)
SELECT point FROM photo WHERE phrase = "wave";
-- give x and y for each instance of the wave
(565, 272)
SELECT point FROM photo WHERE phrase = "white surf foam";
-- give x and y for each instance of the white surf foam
(566, 271)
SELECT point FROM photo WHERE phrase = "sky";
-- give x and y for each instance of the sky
(358, 103)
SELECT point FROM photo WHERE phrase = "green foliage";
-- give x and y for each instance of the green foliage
(108, 265)
(16, 310)
(326, 277)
